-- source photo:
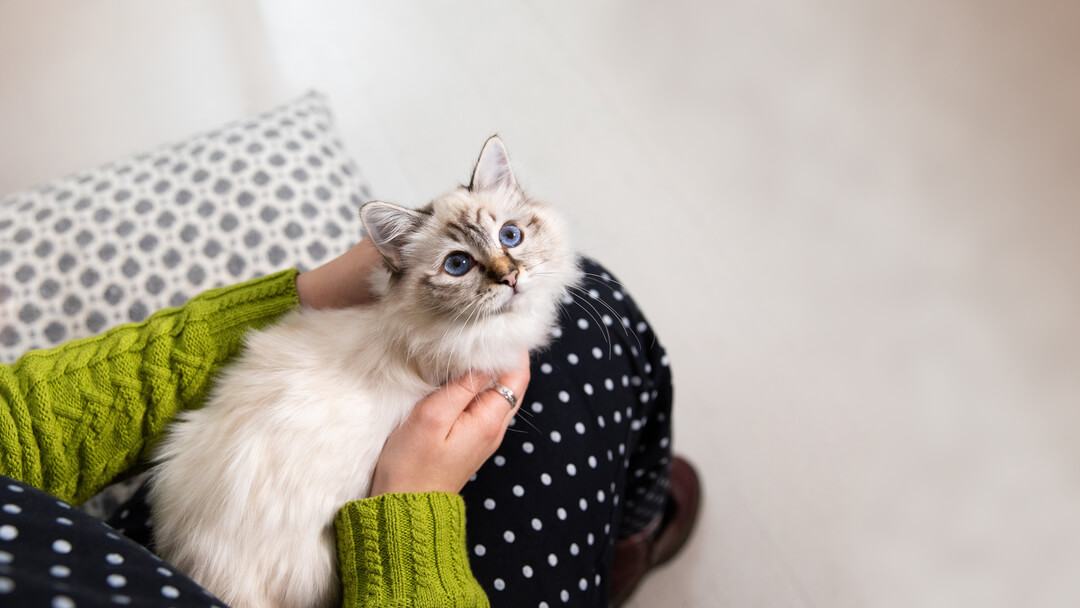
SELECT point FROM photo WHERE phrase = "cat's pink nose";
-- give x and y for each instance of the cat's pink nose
(510, 278)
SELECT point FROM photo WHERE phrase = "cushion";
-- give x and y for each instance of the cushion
(114, 244)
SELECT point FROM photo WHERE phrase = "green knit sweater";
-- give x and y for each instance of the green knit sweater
(77, 417)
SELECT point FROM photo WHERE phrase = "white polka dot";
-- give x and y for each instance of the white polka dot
(61, 546)
(552, 560)
(596, 580)
(537, 407)
(500, 460)
(580, 428)
(508, 536)
(583, 584)
(607, 528)
(6, 585)
(13, 509)
(587, 388)
(14, 488)
(543, 605)
(114, 559)
(617, 416)
(648, 368)
(122, 600)
(625, 322)
(489, 504)
(615, 500)
(590, 539)
(60, 571)
(8, 532)
(583, 504)
(583, 324)
(574, 549)
(608, 384)
(537, 524)
(617, 348)
(617, 295)
(622, 449)
(564, 595)
(600, 496)
(556, 436)
(564, 396)
(635, 425)
(597, 353)
(556, 333)
(63, 521)
(6, 558)
(545, 479)
(592, 462)
(635, 380)
(561, 513)
(480, 550)
(164, 571)
(664, 361)
(600, 421)
(116, 580)
(518, 491)
(527, 571)
(62, 504)
(527, 447)
(572, 358)
(170, 592)
(499, 584)
(571, 470)
(644, 398)
(62, 601)
(545, 367)
(607, 320)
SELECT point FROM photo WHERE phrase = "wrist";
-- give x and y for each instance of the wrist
(341, 282)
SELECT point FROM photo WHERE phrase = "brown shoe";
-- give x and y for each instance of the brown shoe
(660, 541)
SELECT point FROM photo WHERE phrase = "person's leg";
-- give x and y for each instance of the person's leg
(52, 554)
(585, 463)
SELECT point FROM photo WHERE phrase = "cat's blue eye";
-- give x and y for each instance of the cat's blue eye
(457, 264)
(510, 235)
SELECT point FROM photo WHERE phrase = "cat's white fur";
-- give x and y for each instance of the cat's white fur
(245, 490)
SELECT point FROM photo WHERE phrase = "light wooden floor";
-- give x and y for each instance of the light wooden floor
(854, 225)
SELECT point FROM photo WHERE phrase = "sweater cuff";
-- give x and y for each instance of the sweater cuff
(406, 550)
(253, 303)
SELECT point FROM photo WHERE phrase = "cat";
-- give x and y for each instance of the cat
(244, 491)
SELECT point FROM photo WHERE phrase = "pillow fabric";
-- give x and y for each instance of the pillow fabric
(114, 244)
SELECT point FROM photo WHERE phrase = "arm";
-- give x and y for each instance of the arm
(73, 418)
(405, 546)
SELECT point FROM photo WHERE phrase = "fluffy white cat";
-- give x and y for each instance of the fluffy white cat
(244, 491)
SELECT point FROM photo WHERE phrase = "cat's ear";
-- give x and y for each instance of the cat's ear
(389, 226)
(493, 171)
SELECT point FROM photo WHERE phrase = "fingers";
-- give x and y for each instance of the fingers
(490, 413)
(440, 409)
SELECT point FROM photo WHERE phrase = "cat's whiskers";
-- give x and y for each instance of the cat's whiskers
(617, 318)
(578, 298)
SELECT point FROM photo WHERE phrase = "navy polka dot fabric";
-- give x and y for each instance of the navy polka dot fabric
(56, 556)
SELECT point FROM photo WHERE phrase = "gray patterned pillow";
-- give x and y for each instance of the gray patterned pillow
(112, 245)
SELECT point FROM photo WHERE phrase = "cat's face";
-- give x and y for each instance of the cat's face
(478, 251)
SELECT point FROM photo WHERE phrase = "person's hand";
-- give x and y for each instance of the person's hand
(449, 434)
(341, 282)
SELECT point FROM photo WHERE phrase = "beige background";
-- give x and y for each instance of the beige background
(854, 225)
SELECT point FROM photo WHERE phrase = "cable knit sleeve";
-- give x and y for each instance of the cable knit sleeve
(73, 418)
(406, 550)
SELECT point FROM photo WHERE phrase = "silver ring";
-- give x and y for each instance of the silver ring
(507, 394)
